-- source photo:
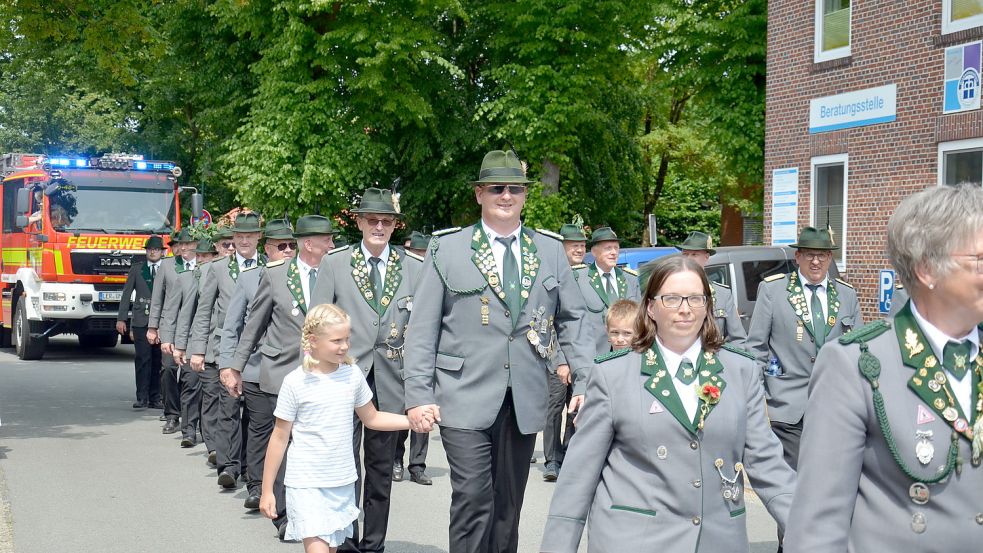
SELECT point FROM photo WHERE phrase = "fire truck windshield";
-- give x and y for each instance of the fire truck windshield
(100, 205)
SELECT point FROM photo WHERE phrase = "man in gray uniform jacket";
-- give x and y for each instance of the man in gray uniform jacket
(477, 351)
(602, 283)
(276, 317)
(373, 282)
(219, 410)
(794, 316)
(698, 246)
(140, 285)
(257, 415)
(164, 305)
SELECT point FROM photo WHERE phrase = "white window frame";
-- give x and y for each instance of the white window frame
(956, 26)
(951, 147)
(836, 53)
(821, 161)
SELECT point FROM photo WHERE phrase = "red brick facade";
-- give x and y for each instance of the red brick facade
(898, 42)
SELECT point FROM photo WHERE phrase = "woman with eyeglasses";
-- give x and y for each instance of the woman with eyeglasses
(667, 431)
(897, 407)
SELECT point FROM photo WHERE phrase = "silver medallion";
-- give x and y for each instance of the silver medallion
(918, 523)
(918, 492)
(295, 312)
(662, 452)
(526, 282)
(924, 450)
(934, 386)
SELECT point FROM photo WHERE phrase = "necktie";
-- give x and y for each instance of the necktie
(610, 286)
(818, 319)
(375, 277)
(153, 271)
(249, 263)
(686, 373)
(311, 281)
(955, 358)
(510, 277)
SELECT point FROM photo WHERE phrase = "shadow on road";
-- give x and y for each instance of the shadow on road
(409, 547)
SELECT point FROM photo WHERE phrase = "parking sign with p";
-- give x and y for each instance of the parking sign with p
(886, 290)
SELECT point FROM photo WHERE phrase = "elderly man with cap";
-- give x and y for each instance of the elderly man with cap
(219, 410)
(257, 418)
(276, 317)
(794, 316)
(698, 246)
(161, 321)
(146, 362)
(417, 243)
(603, 283)
(490, 300)
(555, 437)
(374, 282)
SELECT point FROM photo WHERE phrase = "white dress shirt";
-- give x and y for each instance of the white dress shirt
(384, 256)
(305, 279)
(498, 249)
(609, 281)
(242, 260)
(686, 392)
(823, 287)
(962, 389)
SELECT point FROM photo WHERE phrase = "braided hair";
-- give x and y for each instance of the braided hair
(321, 316)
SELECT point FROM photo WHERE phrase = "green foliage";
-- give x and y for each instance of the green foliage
(546, 212)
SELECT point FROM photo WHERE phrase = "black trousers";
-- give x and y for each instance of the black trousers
(258, 422)
(220, 421)
(490, 463)
(789, 435)
(146, 366)
(190, 402)
(374, 484)
(555, 435)
(170, 387)
(419, 444)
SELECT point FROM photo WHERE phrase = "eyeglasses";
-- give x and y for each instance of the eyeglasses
(226, 245)
(283, 246)
(823, 256)
(673, 301)
(977, 257)
(386, 223)
(499, 189)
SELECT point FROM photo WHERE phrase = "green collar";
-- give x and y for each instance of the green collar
(660, 385)
(484, 260)
(360, 272)
(295, 287)
(797, 299)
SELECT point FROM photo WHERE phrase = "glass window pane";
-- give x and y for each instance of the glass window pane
(962, 9)
(718, 274)
(756, 271)
(828, 206)
(962, 167)
(836, 24)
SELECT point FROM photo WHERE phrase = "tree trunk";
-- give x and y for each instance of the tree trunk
(551, 177)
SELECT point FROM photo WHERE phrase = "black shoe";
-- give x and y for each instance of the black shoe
(170, 427)
(552, 471)
(532, 461)
(421, 478)
(140, 404)
(187, 442)
(397, 471)
(227, 479)
(156, 404)
(211, 459)
(162, 417)
(252, 502)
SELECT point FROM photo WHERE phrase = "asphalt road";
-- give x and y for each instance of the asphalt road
(85, 472)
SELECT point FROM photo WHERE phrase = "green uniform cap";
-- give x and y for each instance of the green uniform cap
(697, 241)
(573, 233)
(278, 229)
(205, 246)
(603, 234)
(376, 200)
(501, 167)
(812, 238)
(246, 222)
(154, 242)
(184, 236)
(419, 241)
(223, 233)
(313, 225)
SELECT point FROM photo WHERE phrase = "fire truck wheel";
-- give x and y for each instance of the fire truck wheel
(27, 347)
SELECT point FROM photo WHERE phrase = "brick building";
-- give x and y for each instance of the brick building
(867, 102)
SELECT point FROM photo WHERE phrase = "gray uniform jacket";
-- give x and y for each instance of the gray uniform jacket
(463, 351)
(851, 495)
(206, 332)
(778, 332)
(377, 329)
(137, 280)
(726, 316)
(191, 284)
(166, 303)
(592, 287)
(642, 476)
(276, 317)
(236, 315)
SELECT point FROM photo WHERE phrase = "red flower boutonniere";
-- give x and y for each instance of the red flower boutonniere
(709, 395)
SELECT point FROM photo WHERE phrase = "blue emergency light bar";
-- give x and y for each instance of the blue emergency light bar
(111, 163)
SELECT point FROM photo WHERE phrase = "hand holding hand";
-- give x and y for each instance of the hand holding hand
(423, 417)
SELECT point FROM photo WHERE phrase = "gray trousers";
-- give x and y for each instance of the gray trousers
(419, 444)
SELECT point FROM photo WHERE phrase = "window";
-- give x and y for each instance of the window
(960, 162)
(756, 271)
(829, 200)
(832, 29)
(10, 214)
(959, 15)
(718, 273)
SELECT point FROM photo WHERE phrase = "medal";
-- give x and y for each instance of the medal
(918, 523)
(526, 282)
(533, 337)
(799, 331)
(295, 312)
(524, 294)
(392, 331)
(938, 403)
(385, 301)
(939, 377)
(950, 413)
(918, 492)
(934, 386)
(493, 279)
(924, 450)
(662, 452)
(961, 425)
(831, 320)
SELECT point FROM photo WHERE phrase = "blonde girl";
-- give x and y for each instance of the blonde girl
(315, 408)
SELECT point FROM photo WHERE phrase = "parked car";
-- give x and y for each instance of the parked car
(633, 258)
(742, 268)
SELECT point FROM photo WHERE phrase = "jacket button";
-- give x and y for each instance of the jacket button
(696, 521)
(506, 366)
(511, 338)
(508, 314)
(979, 518)
(693, 445)
(697, 483)
(375, 323)
(812, 359)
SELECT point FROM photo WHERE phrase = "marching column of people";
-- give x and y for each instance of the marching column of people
(497, 331)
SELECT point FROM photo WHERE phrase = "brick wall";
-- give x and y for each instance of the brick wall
(893, 41)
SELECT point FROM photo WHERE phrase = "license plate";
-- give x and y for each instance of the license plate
(110, 296)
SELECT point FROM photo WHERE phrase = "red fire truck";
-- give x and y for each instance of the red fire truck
(71, 228)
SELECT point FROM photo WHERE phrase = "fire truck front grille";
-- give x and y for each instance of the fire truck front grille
(103, 263)
(105, 306)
